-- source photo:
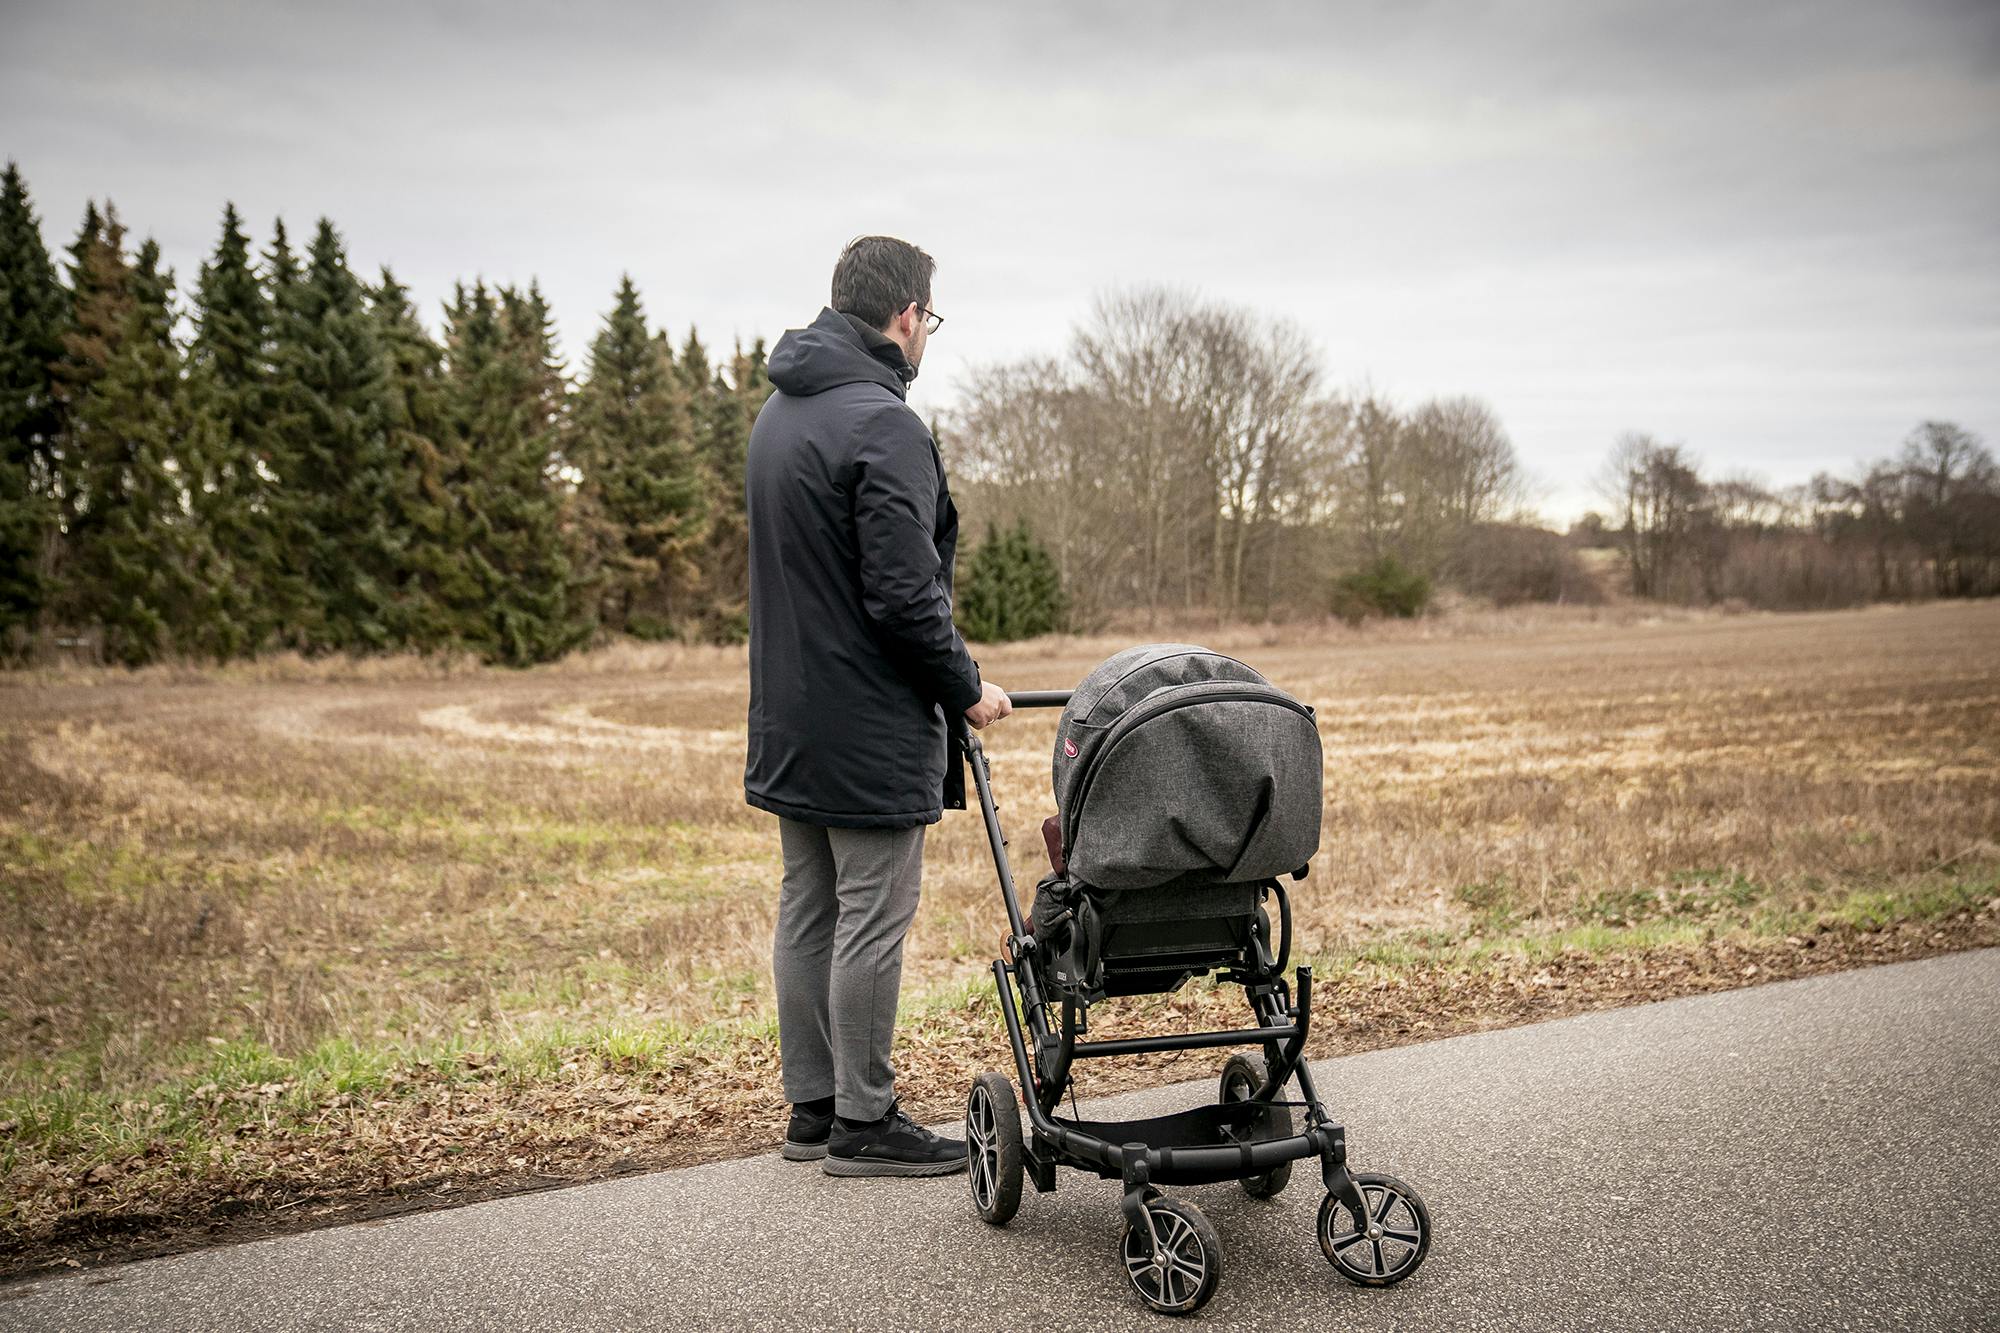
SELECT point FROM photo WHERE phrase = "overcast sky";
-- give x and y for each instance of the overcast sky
(1771, 231)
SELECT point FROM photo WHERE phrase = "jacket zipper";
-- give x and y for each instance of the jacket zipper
(1145, 712)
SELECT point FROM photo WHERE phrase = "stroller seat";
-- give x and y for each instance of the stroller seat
(1098, 943)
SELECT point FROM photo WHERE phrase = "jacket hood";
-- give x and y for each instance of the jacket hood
(837, 349)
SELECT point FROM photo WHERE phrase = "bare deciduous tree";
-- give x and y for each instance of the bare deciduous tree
(1656, 490)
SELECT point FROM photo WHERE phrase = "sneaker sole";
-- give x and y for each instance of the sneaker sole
(803, 1152)
(862, 1166)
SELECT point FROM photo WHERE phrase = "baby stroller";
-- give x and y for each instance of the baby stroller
(1187, 788)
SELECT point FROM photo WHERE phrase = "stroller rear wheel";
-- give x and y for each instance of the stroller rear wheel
(993, 1148)
(1391, 1248)
(1241, 1078)
(1181, 1275)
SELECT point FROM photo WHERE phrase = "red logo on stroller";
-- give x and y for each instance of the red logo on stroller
(1069, 747)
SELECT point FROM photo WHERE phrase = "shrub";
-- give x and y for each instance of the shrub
(1011, 589)
(1388, 588)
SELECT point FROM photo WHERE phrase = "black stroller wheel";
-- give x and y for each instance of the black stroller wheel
(1389, 1250)
(993, 1148)
(1189, 1265)
(1241, 1078)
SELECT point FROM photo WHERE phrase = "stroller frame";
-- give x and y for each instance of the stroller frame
(1200, 1146)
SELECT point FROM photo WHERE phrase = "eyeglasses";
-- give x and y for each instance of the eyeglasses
(934, 320)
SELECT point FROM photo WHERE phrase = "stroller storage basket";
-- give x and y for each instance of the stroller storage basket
(1163, 878)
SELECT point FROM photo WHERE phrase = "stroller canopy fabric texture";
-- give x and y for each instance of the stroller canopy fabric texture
(1177, 765)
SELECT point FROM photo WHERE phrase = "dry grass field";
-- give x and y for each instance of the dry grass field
(286, 943)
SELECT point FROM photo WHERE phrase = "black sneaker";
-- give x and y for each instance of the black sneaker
(895, 1145)
(805, 1137)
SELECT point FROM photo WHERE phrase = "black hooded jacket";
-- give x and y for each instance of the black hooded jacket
(854, 661)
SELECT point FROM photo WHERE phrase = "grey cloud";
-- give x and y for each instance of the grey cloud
(1766, 229)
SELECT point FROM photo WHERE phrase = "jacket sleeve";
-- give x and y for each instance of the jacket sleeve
(896, 481)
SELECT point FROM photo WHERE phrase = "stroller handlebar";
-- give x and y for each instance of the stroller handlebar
(1038, 698)
(961, 732)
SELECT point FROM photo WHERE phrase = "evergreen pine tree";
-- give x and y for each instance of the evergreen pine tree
(695, 371)
(32, 316)
(1011, 590)
(296, 598)
(100, 297)
(332, 378)
(498, 411)
(138, 556)
(234, 491)
(547, 614)
(641, 500)
(472, 371)
(729, 410)
(439, 599)
(100, 304)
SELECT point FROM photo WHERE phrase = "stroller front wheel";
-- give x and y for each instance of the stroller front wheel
(993, 1148)
(1391, 1247)
(1180, 1274)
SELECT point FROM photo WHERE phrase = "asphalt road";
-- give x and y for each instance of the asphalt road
(1812, 1154)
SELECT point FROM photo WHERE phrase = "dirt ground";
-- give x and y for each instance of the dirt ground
(298, 943)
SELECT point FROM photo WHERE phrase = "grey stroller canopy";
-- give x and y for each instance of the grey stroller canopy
(1174, 764)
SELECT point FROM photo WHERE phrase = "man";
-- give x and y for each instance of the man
(854, 667)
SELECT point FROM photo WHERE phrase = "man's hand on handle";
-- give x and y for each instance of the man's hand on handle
(992, 706)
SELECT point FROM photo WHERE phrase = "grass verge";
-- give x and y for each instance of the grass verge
(247, 1141)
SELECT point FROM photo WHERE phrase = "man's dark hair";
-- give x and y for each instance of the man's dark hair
(879, 275)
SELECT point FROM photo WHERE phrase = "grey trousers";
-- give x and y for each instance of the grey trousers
(847, 901)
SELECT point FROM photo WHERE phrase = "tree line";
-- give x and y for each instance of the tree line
(292, 461)
(1923, 523)
(1183, 455)
(288, 459)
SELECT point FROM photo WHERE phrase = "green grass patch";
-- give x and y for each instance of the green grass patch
(1875, 910)
(1690, 908)
(59, 1111)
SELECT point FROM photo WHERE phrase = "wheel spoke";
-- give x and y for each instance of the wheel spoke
(1349, 1239)
(1380, 1265)
(1406, 1237)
